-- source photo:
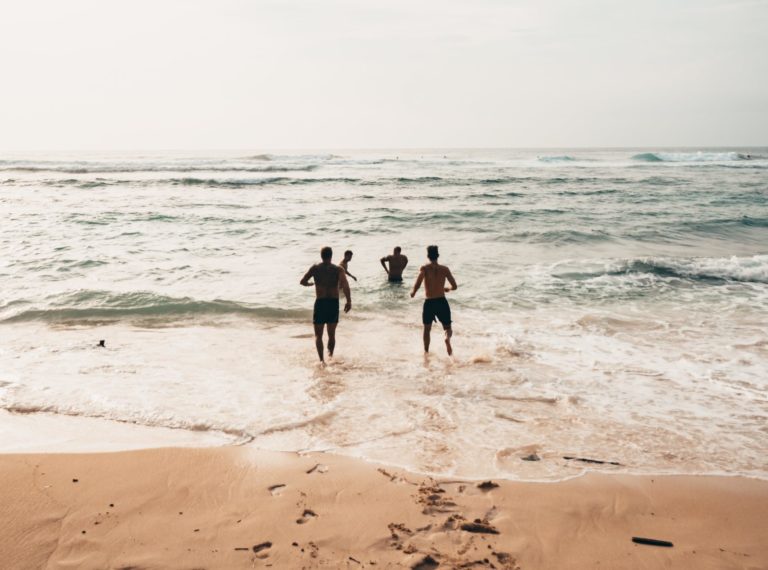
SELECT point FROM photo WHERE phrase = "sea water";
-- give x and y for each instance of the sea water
(612, 304)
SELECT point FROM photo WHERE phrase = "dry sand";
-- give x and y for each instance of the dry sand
(242, 508)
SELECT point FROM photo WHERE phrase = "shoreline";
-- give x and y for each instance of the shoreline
(56, 433)
(218, 507)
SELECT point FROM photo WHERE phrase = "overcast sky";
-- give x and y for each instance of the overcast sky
(268, 74)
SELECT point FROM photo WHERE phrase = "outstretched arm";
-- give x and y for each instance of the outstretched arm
(348, 273)
(451, 280)
(344, 285)
(307, 276)
(384, 264)
(419, 279)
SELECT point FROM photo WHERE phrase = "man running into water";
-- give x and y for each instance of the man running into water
(344, 264)
(328, 278)
(436, 306)
(397, 263)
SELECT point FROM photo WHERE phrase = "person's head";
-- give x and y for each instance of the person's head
(432, 252)
(398, 250)
(326, 253)
(348, 254)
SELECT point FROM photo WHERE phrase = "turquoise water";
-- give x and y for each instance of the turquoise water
(611, 302)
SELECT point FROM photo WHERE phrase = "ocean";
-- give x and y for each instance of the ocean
(612, 304)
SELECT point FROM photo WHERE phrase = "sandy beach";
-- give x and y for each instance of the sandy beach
(237, 507)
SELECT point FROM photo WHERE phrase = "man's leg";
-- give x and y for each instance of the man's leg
(448, 335)
(331, 338)
(427, 329)
(319, 340)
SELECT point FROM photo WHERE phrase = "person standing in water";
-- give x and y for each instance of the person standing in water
(345, 263)
(328, 279)
(397, 263)
(436, 306)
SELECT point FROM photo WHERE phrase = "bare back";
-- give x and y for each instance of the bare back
(397, 264)
(435, 276)
(327, 277)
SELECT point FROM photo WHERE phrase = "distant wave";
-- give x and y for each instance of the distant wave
(556, 158)
(244, 182)
(94, 305)
(288, 157)
(752, 269)
(223, 182)
(690, 156)
(115, 169)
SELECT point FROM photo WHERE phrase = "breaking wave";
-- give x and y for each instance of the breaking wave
(753, 269)
(699, 156)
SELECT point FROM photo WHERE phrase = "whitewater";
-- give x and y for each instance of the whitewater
(612, 305)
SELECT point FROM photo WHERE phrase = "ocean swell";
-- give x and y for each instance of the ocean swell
(88, 306)
(698, 156)
(753, 269)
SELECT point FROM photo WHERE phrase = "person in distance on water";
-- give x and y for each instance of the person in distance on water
(397, 263)
(436, 306)
(328, 279)
(344, 264)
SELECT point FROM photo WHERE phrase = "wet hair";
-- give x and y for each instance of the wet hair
(348, 253)
(432, 253)
(398, 250)
(326, 253)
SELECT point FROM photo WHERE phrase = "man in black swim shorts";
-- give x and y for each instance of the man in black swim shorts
(436, 306)
(328, 279)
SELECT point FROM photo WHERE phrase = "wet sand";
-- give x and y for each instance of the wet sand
(243, 508)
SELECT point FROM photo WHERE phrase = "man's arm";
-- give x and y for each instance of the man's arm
(344, 286)
(384, 263)
(307, 276)
(419, 279)
(405, 262)
(451, 280)
(348, 273)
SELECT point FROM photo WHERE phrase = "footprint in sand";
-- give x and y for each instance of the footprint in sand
(276, 489)
(306, 516)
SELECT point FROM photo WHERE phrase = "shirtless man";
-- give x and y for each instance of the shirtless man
(344, 264)
(397, 264)
(436, 306)
(328, 279)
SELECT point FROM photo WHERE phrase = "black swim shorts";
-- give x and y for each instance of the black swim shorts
(436, 309)
(395, 279)
(326, 311)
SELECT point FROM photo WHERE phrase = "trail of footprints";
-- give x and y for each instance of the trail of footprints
(449, 540)
(452, 540)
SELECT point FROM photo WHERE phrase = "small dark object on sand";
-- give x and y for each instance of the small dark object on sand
(426, 563)
(587, 460)
(103, 343)
(242, 548)
(531, 457)
(487, 485)
(479, 527)
(75, 480)
(651, 541)
(262, 546)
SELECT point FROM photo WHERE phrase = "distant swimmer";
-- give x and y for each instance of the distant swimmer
(436, 306)
(397, 263)
(345, 263)
(328, 278)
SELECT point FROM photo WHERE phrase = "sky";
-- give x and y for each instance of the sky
(288, 74)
